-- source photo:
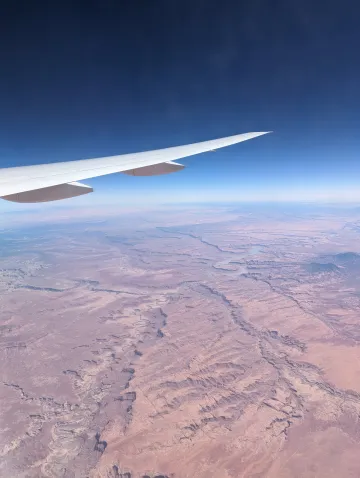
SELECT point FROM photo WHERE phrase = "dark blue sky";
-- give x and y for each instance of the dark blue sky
(93, 78)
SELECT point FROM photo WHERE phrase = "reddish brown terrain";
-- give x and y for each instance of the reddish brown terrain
(201, 343)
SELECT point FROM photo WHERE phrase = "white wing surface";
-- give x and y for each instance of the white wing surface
(49, 182)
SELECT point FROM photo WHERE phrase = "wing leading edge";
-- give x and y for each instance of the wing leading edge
(57, 180)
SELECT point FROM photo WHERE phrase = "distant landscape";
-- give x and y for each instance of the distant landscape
(218, 341)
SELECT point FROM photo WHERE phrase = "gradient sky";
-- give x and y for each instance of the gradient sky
(96, 78)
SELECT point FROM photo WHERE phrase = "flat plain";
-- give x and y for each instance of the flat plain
(201, 342)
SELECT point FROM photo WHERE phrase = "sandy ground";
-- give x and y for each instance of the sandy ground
(193, 343)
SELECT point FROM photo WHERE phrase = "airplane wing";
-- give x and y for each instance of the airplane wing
(50, 182)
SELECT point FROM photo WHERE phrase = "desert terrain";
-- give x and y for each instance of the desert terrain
(192, 342)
